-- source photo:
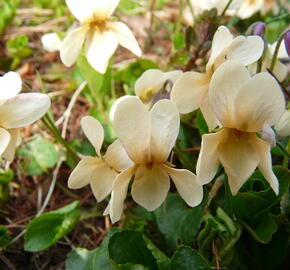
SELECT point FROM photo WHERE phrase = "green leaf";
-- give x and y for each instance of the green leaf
(257, 203)
(186, 258)
(47, 229)
(130, 73)
(97, 259)
(178, 41)
(201, 123)
(4, 237)
(93, 78)
(264, 230)
(189, 220)
(39, 155)
(129, 247)
(256, 196)
(6, 176)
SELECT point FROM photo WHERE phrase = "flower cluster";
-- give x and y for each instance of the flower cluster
(239, 106)
(239, 99)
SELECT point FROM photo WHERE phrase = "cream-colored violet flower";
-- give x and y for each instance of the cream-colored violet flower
(190, 91)
(280, 70)
(16, 111)
(99, 171)
(250, 7)
(283, 126)
(244, 105)
(220, 5)
(148, 137)
(99, 31)
(151, 83)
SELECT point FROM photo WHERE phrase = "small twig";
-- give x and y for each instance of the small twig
(30, 11)
(46, 201)
(65, 117)
(7, 262)
(51, 188)
(45, 27)
(215, 252)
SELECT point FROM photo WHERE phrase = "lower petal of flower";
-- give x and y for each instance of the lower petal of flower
(150, 186)
(119, 193)
(187, 186)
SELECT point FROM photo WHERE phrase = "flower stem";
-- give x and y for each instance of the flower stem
(48, 122)
(226, 8)
(275, 56)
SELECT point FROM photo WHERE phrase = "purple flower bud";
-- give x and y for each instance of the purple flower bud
(287, 42)
(259, 29)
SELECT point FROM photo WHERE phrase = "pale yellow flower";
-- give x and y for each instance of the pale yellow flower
(51, 42)
(244, 105)
(148, 137)
(151, 87)
(190, 91)
(151, 82)
(220, 5)
(99, 171)
(283, 126)
(16, 111)
(100, 33)
(280, 70)
(250, 7)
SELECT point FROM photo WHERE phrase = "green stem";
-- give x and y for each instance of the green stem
(286, 157)
(53, 129)
(275, 56)
(226, 8)
(281, 147)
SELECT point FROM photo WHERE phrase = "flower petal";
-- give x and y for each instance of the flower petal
(245, 50)
(15, 140)
(88, 9)
(150, 186)
(221, 40)
(133, 128)
(265, 164)
(187, 186)
(223, 89)
(283, 126)
(51, 42)
(259, 102)
(165, 123)
(117, 157)
(72, 44)
(208, 113)
(248, 8)
(99, 49)
(119, 193)
(23, 110)
(10, 85)
(82, 173)
(149, 83)
(94, 132)
(238, 154)
(4, 140)
(208, 161)
(102, 179)
(173, 75)
(126, 37)
(188, 91)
